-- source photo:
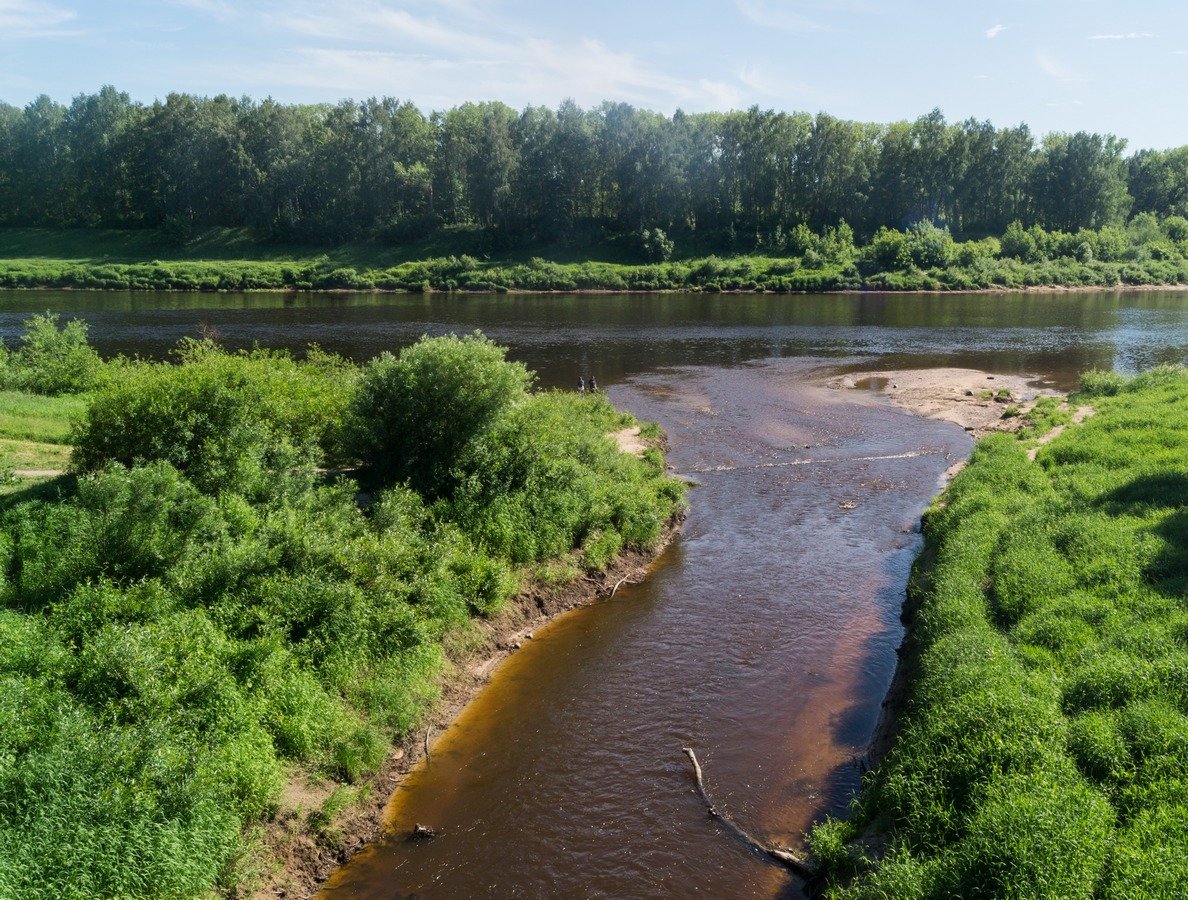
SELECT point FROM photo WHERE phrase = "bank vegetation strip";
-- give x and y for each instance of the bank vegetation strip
(1042, 733)
(1147, 252)
(254, 584)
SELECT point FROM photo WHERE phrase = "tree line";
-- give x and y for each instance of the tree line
(382, 169)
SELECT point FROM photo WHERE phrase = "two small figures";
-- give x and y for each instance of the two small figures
(590, 384)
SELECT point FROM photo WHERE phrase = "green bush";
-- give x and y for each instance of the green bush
(223, 419)
(414, 414)
(51, 359)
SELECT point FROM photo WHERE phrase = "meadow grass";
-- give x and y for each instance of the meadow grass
(1043, 749)
(464, 259)
(34, 429)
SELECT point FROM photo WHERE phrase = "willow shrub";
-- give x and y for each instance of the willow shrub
(1044, 742)
(414, 414)
(223, 419)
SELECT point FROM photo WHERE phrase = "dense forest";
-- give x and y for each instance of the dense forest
(382, 169)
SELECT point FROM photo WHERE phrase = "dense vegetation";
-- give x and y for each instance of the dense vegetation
(199, 611)
(715, 182)
(1044, 742)
(1146, 251)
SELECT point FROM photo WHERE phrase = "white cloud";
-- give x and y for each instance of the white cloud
(1129, 36)
(798, 95)
(994, 31)
(32, 18)
(458, 53)
(1053, 68)
(779, 14)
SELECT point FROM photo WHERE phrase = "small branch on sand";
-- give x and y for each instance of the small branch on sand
(787, 857)
(428, 759)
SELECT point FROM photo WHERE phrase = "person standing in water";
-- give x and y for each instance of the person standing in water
(581, 385)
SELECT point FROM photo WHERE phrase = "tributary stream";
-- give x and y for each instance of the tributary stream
(764, 636)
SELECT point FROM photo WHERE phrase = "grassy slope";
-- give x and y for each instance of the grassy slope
(34, 430)
(1044, 747)
(461, 259)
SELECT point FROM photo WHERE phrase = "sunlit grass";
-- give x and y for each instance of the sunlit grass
(1044, 747)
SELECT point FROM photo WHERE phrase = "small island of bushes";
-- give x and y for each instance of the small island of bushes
(250, 575)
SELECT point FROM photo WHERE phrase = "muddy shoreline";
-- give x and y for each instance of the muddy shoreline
(305, 858)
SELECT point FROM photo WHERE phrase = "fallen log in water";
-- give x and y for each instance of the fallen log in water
(801, 867)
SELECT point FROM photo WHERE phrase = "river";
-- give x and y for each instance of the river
(764, 637)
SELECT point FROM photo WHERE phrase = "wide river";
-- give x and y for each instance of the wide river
(764, 637)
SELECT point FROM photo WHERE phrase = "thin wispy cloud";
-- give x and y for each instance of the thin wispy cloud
(994, 31)
(759, 79)
(460, 49)
(220, 9)
(1128, 36)
(780, 14)
(31, 18)
(1057, 70)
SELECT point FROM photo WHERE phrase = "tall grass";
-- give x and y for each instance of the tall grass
(1044, 741)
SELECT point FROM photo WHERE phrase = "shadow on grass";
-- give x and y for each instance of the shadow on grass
(1147, 494)
(58, 488)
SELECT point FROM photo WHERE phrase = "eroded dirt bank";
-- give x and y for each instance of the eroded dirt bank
(306, 853)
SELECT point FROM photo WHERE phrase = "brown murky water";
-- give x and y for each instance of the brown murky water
(764, 639)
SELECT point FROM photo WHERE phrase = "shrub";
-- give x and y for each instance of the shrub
(52, 359)
(223, 419)
(414, 414)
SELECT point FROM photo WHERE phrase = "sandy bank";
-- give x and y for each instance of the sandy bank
(973, 399)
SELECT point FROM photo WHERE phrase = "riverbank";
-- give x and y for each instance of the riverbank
(230, 260)
(309, 847)
(1040, 737)
(238, 600)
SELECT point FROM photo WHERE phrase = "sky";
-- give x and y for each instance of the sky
(1057, 65)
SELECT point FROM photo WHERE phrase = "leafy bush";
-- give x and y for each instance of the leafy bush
(51, 359)
(223, 419)
(414, 414)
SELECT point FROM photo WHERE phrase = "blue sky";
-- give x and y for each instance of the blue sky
(1058, 65)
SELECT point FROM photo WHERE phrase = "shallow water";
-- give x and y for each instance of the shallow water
(764, 637)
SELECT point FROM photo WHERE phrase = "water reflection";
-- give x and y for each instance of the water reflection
(616, 336)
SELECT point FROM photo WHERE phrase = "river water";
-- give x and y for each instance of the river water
(764, 637)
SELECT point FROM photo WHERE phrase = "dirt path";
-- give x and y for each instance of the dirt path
(1082, 413)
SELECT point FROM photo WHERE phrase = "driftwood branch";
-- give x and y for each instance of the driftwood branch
(428, 729)
(619, 584)
(780, 854)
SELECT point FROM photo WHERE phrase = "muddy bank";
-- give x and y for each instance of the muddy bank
(308, 852)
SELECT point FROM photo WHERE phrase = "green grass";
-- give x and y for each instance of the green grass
(467, 259)
(34, 430)
(1044, 742)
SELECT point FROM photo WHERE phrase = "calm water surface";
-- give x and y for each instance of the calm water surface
(764, 637)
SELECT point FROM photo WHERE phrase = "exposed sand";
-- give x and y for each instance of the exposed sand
(629, 441)
(970, 398)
